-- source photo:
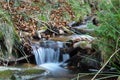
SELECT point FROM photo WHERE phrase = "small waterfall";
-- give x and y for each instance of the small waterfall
(65, 57)
(48, 52)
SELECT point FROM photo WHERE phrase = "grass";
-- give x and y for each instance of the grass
(9, 37)
(108, 34)
(7, 33)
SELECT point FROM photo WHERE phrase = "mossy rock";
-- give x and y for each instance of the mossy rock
(32, 71)
(10, 74)
(6, 74)
(26, 74)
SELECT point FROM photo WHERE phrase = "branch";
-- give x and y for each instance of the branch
(14, 60)
(105, 64)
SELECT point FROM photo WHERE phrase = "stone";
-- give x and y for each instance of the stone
(82, 44)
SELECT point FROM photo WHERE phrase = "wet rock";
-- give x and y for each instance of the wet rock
(82, 41)
(83, 26)
(77, 23)
(82, 44)
(82, 38)
(82, 54)
(118, 78)
(95, 21)
(83, 59)
(8, 73)
(70, 24)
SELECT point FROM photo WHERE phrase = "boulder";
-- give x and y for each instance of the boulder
(82, 44)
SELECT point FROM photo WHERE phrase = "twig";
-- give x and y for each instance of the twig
(107, 77)
(18, 59)
(117, 43)
(81, 75)
(47, 25)
(105, 64)
(8, 4)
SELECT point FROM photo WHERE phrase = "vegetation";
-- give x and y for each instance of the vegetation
(108, 32)
(6, 74)
(10, 45)
(7, 35)
(21, 19)
(32, 71)
(16, 74)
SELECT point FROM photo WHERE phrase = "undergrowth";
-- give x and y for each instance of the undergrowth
(108, 32)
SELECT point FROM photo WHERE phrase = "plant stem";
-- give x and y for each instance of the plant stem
(105, 64)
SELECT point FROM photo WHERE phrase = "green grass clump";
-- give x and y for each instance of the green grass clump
(32, 71)
(6, 74)
(109, 30)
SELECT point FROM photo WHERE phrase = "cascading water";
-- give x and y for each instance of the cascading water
(48, 56)
(48, 52)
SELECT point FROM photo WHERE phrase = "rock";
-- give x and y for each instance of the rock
(118, 78)
(6, 74)
(23, 34)
(83, 26)
(40, 31)
(95, 21)
(61, 31)
(38, 34)
(84, 31)
(12, 73)
(82, 38)
(67, 30)
(60, 38)
(70, 24)
(82, 44)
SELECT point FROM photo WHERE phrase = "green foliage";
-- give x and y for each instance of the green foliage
(5, 74)
(80, 9)
(7, 35)
(32, 71)
(108, 32)
(6, 29)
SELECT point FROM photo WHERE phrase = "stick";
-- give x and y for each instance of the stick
(105, 64)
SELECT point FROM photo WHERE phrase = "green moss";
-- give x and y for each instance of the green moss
(32, 71)
(0, 35)
(6, 74)
(10, 74)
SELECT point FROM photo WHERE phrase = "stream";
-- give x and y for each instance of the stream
(55, 72)
(49, 57)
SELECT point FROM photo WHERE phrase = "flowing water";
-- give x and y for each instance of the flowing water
(48, 56)
(49, 51)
